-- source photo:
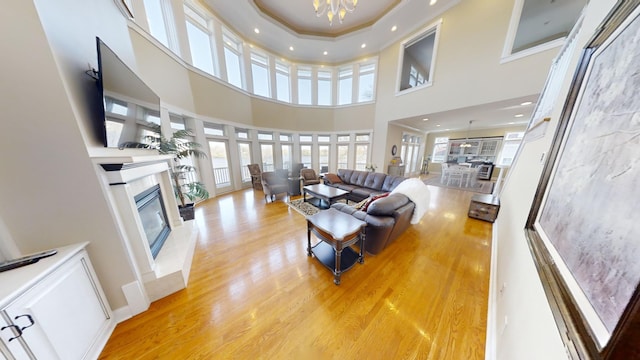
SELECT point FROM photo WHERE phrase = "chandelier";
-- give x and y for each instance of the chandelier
(333, 8)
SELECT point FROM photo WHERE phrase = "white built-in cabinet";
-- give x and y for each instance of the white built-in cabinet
(54, 309)
(485, 149)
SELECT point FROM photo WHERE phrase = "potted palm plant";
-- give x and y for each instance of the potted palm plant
(185, 186)
(184, 182)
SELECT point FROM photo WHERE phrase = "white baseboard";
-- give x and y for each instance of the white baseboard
(490, 345)
(137, 298)
(98, 345)
(121, 314)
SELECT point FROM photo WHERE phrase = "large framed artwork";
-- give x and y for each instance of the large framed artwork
(582, 229)
(126, 6)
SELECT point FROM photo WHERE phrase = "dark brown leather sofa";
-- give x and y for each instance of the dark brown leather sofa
(362, 184)
(387, 217)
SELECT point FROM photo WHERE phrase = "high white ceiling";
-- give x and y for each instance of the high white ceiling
(290, 16)
(294, 23)
(284, 24)
(486, 116)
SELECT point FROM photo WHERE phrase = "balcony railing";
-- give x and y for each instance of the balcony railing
(221, 176)
(244, 172)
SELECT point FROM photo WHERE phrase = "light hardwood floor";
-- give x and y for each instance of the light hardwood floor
(254, 294)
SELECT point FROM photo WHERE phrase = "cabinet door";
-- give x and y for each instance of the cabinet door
(473, 149)
(454, 148)
(11, 346)
(64, 314)
(489, 147)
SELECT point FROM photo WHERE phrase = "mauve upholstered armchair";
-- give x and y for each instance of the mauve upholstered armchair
(272, 185)
(309, 177)
(255, 172)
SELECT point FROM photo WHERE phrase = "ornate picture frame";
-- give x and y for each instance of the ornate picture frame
(126, 6)
(581, 230)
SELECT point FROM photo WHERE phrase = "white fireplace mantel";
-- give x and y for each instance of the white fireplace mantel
(124, 177)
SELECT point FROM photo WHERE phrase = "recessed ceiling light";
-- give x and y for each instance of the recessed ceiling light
(394, 28)
(256, 30)
(291, 48)
(325, 53)
(519, 115)
(511, 123)
(526, 103)
(437, 125)
(425, 119)
(363, 46)
(433, 2)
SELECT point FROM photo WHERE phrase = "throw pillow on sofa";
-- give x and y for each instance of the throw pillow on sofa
(372, 199)
(332, 178)
(361, 204)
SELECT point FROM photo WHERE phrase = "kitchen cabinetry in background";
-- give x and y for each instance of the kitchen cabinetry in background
(480, 149)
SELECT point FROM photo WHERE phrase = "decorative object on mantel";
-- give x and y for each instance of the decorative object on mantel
(180, 146)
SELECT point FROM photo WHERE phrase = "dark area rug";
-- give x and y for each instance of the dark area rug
(481, 186)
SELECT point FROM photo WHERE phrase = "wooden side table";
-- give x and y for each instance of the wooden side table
(337, 232)
(484, 207)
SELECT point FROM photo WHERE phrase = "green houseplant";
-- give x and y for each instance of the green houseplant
(185, 187)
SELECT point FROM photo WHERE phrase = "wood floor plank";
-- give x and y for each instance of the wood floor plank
(254, 293)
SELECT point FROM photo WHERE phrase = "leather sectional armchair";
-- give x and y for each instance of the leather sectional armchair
(363, 184)
(387, 218)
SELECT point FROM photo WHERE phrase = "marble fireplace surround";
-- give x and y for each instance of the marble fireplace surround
(124, 178)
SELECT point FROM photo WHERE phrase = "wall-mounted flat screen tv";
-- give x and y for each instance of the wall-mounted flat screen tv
(131, 109)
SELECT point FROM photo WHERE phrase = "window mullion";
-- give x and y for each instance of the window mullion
(355, 83)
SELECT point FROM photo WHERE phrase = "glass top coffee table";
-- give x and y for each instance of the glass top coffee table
(323, 195)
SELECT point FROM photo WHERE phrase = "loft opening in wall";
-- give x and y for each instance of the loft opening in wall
(417, 58)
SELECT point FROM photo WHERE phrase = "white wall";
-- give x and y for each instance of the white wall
(530, 332)
(467, 66)
(51, 196)
(49, 190)
(467, 69)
